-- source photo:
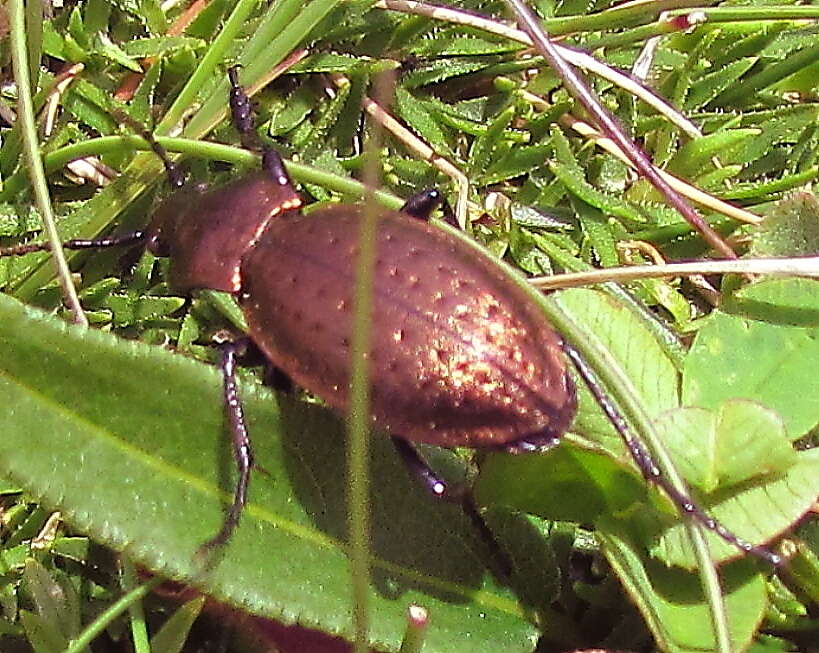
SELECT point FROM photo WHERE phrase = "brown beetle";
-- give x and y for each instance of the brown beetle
(460, 354)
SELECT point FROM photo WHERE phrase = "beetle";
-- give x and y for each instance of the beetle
(460, 356)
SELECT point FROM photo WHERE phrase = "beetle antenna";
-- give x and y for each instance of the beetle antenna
(176, 179)
(650, 470)
(241, 110)
(120, 240)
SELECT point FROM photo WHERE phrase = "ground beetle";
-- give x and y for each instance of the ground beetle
(460, 355)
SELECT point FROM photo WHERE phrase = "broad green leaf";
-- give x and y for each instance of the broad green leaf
(757, 514)
(672, 603)
(737, 442)
(761, 345)
(565, 484)
(128, 442)
(635, 348)
(792, 228)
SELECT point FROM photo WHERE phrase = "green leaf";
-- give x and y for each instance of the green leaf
(757, 514)
(630, 342)
(160, 46)
(42, 635)
(174, 632)
(460, 45)
(672, 603)
(128, 442)
(519, 160)
(695, 156)
(762, 345)
(597, 229)
(438, 71)
(487, 146)
(565, 484)
(416, 115)
(54, 601)
(104, 46)
(329, 62)
(710, 86)
(738, 442)
(569, 171)
(792, 228)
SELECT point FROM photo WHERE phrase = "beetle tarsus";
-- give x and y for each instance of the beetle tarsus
(652, 472)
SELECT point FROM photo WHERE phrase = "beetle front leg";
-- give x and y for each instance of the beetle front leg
(422, 204)
(242, 450)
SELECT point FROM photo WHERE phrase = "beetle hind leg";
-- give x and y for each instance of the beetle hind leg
(419, 467)
(437, 487)
(651, 471)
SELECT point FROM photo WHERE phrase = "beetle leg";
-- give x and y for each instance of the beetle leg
(535, 443)
(437, 487)
(652, 472)
(242, 451)
(433, 483)
(242, 112)
(120, 240)
(421, 205)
